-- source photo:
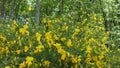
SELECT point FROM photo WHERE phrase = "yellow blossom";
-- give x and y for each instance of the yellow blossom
(50, 42)
(7, 66)
(74, 60)
(2, 37)
(48, 35)
(22, 65)
(15, 23)
(94, 58)
(95, 19)
(101, 56)
(63, 56)
(88, 60)
(28, 19)
(22, 31)
(58, 46)
(61, 51)
(76, 31)
(113, 45)
(76, 66)
(26, 48)
(44, 20)
(30, 43)
(38, 36)
(29, 60)
(27, 33)
(56, 38)
(63, 39)
(98, 63)
(104, 39)
(49, 21)
(88, 49)
(69, 43)
(25, 26)
(39, 48)
(18, 51)
(47, 63)
(79, 58)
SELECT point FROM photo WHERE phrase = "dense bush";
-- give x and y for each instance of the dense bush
(59, 42)
(73, 38)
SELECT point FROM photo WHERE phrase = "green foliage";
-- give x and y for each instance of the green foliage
(71, 34)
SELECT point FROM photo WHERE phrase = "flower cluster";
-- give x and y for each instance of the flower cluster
(60, 42)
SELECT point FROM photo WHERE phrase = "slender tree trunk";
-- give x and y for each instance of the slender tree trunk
(13, 9)
(61, 5)
(38, 11)
(104, 16)
(3, 9)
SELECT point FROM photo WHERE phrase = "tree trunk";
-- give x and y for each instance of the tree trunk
(38, 11)
(3, 9)
(61, 6)
(13, 9)
(104, 16)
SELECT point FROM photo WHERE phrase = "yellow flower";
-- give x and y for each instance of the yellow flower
(29, 60)
(22, 65)
(30, 43)
(104, 39)
(28, 19)
(76, 31)
(25, 26)
(101, 56)
(88, 49)
(98, 63)
(18, 51)
(7, 49)
(39, 48)
(63, 39)
(113, 45)
(48, 35)
(63, 56)
(38, 36)
(58, 46)
(79, 58)
(47, 63)
(55, 37)
(50, 42)
(27, 33)
(2, 37)
(88, 60)
(44, 20)
(74, 60)
(26, 48)
(94, 58)
(61, 51)
(22, 31)
(69, 43)
(94, 17)
(49, 21)
(15, 23)
(7, 66)
(76, 66)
